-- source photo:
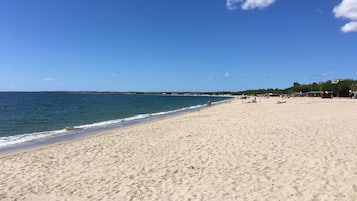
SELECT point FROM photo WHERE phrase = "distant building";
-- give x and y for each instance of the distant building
(314, 94)
(336, 81)
(299, 94)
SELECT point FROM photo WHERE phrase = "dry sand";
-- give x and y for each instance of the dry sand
(304, 149)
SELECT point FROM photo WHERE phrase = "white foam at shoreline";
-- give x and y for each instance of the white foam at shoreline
(17, 139)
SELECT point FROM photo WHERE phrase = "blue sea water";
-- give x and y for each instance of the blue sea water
(28, 116)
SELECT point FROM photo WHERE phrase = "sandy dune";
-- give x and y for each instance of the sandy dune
(304, 149)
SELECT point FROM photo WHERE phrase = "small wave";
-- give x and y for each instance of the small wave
(137, 117)
(99, 124)
(16, 139)
(71, 128)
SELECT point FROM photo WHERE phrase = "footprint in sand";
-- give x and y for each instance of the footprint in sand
(354, 188)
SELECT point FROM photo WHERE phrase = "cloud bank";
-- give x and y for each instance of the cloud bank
(347, 9)
(248, 4)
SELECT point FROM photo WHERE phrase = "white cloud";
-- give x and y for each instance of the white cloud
(231, 4)
(347, 9)
(324, 74)
(50, 79)
(321, 75)
(248, 4)
(227, 75)
(349, 27)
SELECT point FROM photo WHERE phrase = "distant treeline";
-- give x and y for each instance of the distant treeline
(340, 88)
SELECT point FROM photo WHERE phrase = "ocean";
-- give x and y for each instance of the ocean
(29, 119)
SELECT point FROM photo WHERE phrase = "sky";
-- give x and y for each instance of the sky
(174, 45)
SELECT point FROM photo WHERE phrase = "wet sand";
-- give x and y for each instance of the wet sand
(303, 149)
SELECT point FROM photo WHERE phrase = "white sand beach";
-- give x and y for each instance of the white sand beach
(304, 149)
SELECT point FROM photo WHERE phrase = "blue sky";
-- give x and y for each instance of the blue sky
(185, 45)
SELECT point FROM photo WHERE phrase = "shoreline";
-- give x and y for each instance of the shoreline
(73, 134)
(303, 149)
(88, 135)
